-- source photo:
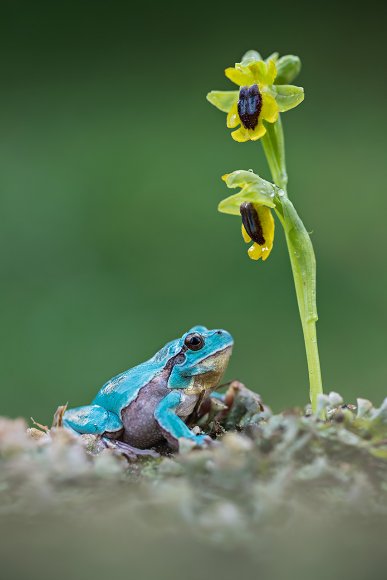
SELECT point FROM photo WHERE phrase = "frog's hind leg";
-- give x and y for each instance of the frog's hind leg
(93, 420)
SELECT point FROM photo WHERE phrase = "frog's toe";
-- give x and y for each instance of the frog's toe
(130, 452)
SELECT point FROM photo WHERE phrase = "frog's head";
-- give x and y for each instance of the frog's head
(201, 361)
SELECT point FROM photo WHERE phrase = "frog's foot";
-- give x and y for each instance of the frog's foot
(130, 452)
(92, 420)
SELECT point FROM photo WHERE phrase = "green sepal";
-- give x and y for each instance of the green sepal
(253, 189)
(222, 100)
(274, 56)
(253, 56)
(288, 67)
(287, 96)
(250, 56)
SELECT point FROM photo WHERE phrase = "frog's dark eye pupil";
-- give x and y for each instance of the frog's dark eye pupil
(194, 341)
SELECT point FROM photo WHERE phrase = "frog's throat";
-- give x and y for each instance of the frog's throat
(209, 379)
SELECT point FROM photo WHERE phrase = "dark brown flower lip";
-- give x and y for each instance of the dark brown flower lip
(252, 223)
(249, 106)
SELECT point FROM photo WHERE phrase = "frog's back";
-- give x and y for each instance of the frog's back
(122, 389)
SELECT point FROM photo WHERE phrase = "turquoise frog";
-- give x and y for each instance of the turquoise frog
(151, 403)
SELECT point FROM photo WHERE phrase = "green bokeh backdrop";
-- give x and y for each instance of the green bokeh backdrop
(110, 168)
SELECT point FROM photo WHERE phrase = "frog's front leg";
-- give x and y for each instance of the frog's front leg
(172, 426)
(94, 420)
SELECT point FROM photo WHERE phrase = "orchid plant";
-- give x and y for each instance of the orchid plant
(254, 112)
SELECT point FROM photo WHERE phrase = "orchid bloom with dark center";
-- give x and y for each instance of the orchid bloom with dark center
(259, 99)
(253, 203)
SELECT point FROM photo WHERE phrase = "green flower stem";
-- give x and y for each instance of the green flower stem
(301, 254)
(274, 147)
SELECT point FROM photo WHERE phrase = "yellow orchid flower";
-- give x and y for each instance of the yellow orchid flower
(253, 203)
(259, 98)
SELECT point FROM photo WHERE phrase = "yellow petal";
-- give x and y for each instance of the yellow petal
(269, 108)
(255, 251)
(266, 252)
(258, 132)
(258, 71)
(233, 117)
(241, 135)
(245, 235)
(263, 73)
(240, 76)
(271, 72)
(267, 224)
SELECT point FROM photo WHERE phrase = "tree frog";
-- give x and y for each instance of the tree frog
(151, 403)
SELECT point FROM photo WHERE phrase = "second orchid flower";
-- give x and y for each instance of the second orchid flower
(253, 203)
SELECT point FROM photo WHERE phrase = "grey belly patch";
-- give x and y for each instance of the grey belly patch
(140, 427)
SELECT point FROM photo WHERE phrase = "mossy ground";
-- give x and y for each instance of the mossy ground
(275, 496)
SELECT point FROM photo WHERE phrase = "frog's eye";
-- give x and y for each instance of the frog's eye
(194, 341)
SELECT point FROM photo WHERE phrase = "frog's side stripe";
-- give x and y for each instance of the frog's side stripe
(91, 419)
(170, 423)
(124, 388)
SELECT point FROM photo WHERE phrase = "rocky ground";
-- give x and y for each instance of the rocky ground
(274, 493)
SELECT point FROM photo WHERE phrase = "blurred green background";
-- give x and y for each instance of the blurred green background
(110, 170)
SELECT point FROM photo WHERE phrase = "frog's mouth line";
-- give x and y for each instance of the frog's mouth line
(209, 379)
